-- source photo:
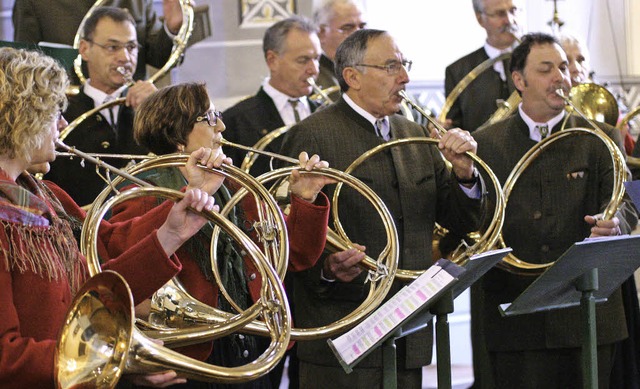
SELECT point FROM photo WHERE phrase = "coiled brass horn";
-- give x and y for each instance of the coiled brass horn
(382, 270)
(146, 356)
(511, 263)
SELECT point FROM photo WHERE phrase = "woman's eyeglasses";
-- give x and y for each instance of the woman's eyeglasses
(211, 117)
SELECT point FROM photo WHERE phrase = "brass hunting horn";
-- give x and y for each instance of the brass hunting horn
(143, 355)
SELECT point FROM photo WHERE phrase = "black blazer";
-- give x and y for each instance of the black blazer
(478, 101)
(250, 120)
(93, 135)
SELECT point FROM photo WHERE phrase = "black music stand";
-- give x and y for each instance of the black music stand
(439, 304)
(588, 272)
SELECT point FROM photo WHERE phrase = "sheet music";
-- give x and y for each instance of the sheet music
(375, 328)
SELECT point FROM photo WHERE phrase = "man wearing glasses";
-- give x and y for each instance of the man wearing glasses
(411, 180)
(479, 100)
(110, 48)
(336, 20)
(57, 21)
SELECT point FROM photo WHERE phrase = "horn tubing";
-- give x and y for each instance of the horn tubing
(102, 164)
(436, 124)
(281, 157)
(102, 155)
(318, 90)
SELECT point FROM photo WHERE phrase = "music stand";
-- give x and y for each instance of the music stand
(588, 272)
(439, 303)
(64, 55)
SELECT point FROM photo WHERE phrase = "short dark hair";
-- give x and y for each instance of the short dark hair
(116, 14)
(352, 51)
(166, 118)
(521, 52)
(276, 35)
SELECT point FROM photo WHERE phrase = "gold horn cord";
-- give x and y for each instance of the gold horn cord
(487, 240)
(464, 83)
(179, 42)
(270, 226)
(512, 263)
(145, 356)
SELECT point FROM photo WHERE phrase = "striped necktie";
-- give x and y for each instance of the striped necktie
(382, 129)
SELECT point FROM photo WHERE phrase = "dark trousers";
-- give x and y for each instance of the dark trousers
(552, 368)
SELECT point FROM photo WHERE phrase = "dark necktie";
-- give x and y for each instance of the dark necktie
(112, 118)
(294, 104)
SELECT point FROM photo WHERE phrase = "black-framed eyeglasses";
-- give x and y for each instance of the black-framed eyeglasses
(113, 48)
(211, 117)
(392, 68)
(503, 13)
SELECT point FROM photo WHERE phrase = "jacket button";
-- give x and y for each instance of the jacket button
(245, 353)
(264, 131)
(544, 248)
(105, 144)
(537, 215)
(252, 276)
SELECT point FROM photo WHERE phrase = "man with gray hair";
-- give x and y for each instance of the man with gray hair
(336, 19)
(411, 180)
(291, 50)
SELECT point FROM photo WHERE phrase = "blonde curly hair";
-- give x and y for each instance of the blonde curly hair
(32, 92)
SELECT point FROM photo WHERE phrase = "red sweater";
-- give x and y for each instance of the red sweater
(307, 229)
(33, 308)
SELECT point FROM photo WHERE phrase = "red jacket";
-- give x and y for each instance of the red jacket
(33, 308)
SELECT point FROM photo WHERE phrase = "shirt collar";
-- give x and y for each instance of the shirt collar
(97, 95)
(372, 119)
(280, 99)
(493, 52)
(533, 134)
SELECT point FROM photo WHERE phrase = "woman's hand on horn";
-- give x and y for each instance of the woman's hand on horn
(181, 222)
(307, 186)
(202, 179)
